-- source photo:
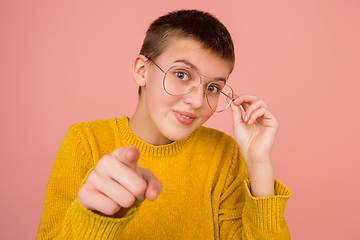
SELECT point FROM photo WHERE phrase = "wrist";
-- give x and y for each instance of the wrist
(261, 178)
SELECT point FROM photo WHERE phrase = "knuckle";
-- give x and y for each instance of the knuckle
(128, 201)
(106, 162)
(84, 194)
(93, 177)
(102, 162)
(111, 208)
(83, 191)
(140, 188)
(105, 159)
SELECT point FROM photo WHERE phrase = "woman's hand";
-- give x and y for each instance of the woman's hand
(117, 182)
(255, 129)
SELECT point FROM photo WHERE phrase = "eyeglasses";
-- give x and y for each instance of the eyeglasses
(180, 80)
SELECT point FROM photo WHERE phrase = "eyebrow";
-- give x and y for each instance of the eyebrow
(186, 62)
(192, 66)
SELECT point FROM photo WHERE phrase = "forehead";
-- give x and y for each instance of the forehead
(191, 53)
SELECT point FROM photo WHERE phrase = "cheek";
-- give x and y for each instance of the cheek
(209, 113)
(156, 97)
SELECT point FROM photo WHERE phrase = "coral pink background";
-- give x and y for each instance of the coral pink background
(63, 62)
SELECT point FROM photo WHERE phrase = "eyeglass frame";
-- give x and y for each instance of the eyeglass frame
(207, 99)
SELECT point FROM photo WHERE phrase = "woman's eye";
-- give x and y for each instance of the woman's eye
(182, 76)
(213, 89)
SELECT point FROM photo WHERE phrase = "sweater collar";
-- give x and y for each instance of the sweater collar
(147, 149)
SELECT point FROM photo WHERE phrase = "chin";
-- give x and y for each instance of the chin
(176, 137)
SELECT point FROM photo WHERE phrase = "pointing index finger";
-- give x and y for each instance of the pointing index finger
(128, 156)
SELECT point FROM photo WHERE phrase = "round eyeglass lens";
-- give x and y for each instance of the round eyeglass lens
(179, 81)
(217, 95)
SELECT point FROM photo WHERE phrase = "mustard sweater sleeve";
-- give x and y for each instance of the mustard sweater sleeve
(63, 216)
(242, 216)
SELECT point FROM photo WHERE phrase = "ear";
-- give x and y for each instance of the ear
(139, 70)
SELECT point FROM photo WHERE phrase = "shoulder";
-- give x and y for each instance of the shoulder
(97, 133)
(96, 127)
(98, 137)
(102, 123)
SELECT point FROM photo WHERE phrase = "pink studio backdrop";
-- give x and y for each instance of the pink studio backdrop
(63, 62)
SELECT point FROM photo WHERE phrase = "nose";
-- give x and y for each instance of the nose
(196, 98)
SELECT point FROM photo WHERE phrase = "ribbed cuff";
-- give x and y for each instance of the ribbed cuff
(81, 223)
(267, 213)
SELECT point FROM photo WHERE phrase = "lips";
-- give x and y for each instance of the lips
(184, 117)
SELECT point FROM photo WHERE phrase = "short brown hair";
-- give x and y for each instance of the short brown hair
(200, 26)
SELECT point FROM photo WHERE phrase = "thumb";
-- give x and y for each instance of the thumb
(154, 186)
(237, 113)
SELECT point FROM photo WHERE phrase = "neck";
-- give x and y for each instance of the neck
(142, 126)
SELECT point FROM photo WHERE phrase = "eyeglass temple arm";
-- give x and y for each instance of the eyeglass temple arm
(227, 96)
(155, 64)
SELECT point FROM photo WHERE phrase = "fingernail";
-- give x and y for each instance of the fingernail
(155, 194)
(246, 117)
(249, 122)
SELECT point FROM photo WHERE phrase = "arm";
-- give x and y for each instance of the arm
(255, 129)
(254, 207)
(64, 216)
(243, 216)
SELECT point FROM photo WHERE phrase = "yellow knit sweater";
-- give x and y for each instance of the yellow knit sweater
(205, 189)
